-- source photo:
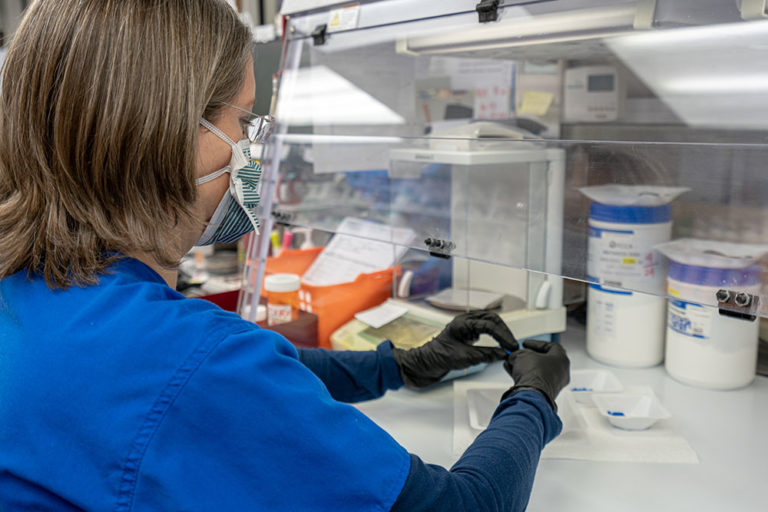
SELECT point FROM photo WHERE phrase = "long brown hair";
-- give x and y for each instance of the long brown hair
(99, 110)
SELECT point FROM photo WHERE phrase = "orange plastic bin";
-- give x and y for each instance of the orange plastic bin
(337, 304)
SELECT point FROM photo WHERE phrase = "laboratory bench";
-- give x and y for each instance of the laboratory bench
(726, 429)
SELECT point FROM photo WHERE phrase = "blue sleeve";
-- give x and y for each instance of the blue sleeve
(251, 428)
(353, 376)
(496, 472)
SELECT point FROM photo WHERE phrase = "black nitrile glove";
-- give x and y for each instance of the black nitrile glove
(542, 366)
(452, 349)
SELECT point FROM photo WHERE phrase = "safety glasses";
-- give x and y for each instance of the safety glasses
(257, 128)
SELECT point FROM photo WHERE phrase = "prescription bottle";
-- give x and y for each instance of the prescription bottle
(282, 292)
(626, 307)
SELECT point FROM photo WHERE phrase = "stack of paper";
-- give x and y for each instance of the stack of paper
(358, 247)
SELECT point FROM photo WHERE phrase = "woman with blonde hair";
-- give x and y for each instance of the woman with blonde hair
(124, 141)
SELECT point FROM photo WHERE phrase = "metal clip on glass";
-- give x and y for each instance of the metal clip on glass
(737, 304)
(281, 217)
(439, 248)
(487, 10)
(320, 34)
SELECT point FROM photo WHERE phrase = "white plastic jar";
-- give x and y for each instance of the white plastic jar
(626, 301)
(704, 348)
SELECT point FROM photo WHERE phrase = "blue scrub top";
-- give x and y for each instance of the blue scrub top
(129, 396)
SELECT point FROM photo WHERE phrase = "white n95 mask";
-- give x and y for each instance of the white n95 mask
(235, 216)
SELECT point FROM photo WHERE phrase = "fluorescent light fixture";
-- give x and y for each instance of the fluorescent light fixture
(318, 96)
(709, 76)
(573, 25)
(709, 35)
(718, 84)
(296, 6)
(299, 138)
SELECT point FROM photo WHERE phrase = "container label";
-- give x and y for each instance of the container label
(278, 313)
(602, 315)
(609, 290)
(626, 258)
(690, 319)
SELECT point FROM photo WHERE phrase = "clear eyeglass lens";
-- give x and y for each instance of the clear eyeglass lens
(260, 128)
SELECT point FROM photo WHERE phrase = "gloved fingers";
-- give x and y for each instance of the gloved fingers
(478, 314)
(470, 356)
(509, 361)
(508, 366)
(492, 354)
(493, 325)
(462, 325)
(541, 346)
(475, 314)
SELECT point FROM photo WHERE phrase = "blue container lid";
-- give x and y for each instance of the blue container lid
(716, 277)
(630, 214)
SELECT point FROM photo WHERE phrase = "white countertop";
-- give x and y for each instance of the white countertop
(727, 429)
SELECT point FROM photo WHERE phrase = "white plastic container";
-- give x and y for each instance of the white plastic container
(631, 411)
(626, 328)
(704, 348)
(261, 313)
(586, 383)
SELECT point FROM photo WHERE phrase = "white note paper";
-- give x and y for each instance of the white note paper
(359, 247)
(380, 316)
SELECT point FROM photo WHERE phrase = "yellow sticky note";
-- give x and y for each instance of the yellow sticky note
(536, 103)
(335, 20)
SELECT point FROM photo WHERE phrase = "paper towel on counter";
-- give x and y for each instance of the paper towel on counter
(586, 434)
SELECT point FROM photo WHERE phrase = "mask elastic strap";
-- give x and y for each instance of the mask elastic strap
(212, 176)
(213, 129)
(220, 134)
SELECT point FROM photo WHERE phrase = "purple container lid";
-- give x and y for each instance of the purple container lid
(630, 214)
(716, 277)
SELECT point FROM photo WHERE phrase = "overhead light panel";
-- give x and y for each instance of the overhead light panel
(718, 83)
(318, 96)
(573, 25)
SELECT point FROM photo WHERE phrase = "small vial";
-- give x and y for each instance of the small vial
(282, 298)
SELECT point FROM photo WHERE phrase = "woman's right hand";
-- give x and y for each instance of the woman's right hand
(542, 366)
